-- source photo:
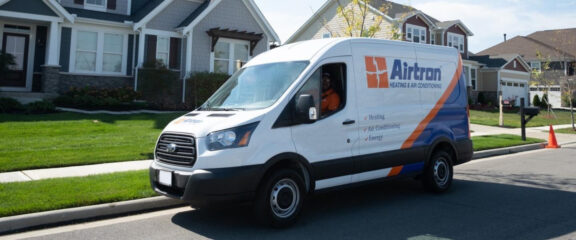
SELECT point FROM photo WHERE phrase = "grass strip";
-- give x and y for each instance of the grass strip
(490, 118)
(500, 141)
(565, 130)
(51, 194)
(69, 139)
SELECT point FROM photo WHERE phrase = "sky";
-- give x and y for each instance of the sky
(487, 19)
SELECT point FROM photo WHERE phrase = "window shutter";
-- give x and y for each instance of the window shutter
(150, 52)
(79, 2)
(111, 5)
(175, 53)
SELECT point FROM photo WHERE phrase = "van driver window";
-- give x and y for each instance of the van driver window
(327, 86)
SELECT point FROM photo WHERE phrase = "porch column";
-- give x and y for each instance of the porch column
(141, 47)
(53, 45)
(188, 67)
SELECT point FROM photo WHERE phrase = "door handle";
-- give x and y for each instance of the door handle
(348, 122)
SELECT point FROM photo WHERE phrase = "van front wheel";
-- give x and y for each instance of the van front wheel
(280, 198)
(438, 175)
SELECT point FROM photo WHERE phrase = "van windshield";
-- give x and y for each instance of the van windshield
(254, 87)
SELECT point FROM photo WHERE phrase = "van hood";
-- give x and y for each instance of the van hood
(201, 123)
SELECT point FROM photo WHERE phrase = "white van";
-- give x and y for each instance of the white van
(271, 136)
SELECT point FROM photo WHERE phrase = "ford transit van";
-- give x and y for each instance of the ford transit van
(317, 115)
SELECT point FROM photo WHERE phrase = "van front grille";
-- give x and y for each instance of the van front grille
(176, 149)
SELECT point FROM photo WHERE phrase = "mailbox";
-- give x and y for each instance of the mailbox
(531, 111)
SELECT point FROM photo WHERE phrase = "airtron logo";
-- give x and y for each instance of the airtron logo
(376, 72)
(401, 75)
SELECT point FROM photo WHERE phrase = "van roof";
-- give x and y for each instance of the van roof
(308, 50)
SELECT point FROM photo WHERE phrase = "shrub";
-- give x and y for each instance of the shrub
(201, 85)
(536, 101)
(159, 86)
(96, 98)
(481, 98)
(40, 107)
(9, 105)
(544, 103)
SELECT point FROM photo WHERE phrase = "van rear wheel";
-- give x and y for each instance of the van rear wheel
(439, 173)
(280, 198)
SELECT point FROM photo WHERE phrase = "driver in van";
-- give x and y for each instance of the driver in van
(330, 98)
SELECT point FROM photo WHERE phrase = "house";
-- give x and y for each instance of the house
(398, 22)
(60, 44)
(506, 74)
(556, 47)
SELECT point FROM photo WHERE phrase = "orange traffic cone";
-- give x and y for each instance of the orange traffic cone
(552, 139)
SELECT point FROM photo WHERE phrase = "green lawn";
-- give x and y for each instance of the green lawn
(490, 118)
(500, 141)
(50, 194)
(565, 130)
(65, 139)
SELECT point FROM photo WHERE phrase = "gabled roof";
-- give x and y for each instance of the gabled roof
(525, 47)
(194, 14)
(49, 8)
(447, 24)
(561, 39)
(489, 62)
(499, 61)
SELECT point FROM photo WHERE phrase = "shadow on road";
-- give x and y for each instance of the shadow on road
(401, 210)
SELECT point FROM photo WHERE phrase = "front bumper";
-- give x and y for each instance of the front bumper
(209, 186)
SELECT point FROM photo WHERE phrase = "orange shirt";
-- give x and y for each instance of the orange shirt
(330, 101)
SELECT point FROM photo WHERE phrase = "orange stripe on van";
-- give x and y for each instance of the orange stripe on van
(432, 114)
(395, 171)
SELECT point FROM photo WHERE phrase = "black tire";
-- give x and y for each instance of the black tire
(438, 175)
(280, 198)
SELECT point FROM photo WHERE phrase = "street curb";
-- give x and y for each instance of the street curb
(26, 221)
(508, 150)
(114, 112)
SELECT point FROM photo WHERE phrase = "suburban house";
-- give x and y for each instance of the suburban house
(506, 74)
(408, 24)
(59, 44)
(556, 47)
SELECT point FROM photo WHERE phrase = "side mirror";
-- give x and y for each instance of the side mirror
(305, 111)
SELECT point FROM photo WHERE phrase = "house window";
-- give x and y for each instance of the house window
(230, 55)
(473, 78)
(163, 50)
(98, 52)
(432, 38)
(99, 5)
(415, 33)
(457, 41)
(535, 65)
(86, 51)
(326, 35)
(112, 55)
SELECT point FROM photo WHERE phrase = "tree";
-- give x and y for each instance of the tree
(361, 21)
(536, 101)
(540, 78)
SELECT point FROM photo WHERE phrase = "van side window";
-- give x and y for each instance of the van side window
(333, 88)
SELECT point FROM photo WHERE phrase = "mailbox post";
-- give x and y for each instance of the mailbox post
(531, 112)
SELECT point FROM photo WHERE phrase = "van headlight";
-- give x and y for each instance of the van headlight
(231, 138)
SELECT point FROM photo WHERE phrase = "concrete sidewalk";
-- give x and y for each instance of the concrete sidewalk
(75, 171)
(533, 132)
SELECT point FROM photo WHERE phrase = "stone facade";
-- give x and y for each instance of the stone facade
(68, 81)
(51, 79)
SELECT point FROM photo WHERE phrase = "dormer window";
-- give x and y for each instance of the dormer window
(457, 41)
(415, 33)
(99, 5)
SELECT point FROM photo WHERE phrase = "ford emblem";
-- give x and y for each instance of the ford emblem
(171, 147)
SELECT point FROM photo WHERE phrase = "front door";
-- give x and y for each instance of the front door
(17, 46)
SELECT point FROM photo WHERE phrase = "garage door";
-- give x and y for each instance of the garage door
(514, 90)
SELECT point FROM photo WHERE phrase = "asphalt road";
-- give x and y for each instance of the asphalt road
(530, 195)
